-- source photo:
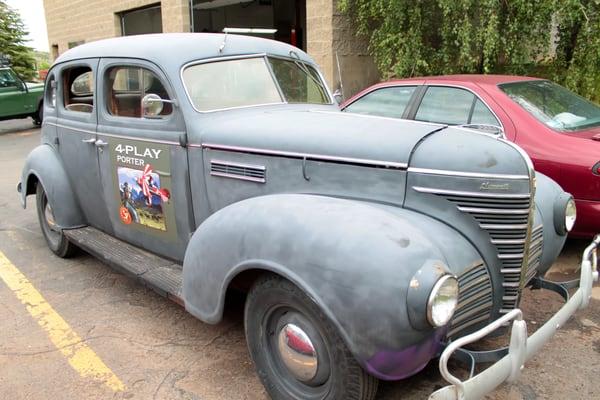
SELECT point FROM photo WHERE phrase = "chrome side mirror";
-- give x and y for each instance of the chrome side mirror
(152, 105)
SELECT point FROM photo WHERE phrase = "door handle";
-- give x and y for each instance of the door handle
(92, 140)
(100, 143)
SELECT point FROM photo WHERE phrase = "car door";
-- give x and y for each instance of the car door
(76, 132)
(12, 94)
(143, 158)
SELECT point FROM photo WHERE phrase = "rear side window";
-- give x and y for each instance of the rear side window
(445, 105)
(8, 81)
(386, 102)
(127, 86)
(483, 115)
(78, 89)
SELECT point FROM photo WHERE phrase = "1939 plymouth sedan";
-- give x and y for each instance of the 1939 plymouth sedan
(202, 163)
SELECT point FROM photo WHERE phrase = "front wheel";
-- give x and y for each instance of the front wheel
(55, 238)
(297, 352)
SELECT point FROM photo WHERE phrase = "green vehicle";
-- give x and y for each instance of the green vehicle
(19, 99)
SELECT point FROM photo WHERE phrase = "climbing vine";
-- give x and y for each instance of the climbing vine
(556, 39)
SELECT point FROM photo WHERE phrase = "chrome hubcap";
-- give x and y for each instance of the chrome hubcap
(49, 215)
(297, 352)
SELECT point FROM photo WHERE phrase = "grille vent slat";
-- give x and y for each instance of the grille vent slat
(475, 299)
(227, 169)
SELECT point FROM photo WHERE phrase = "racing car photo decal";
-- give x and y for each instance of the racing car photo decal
(143, 182)
(142, 198)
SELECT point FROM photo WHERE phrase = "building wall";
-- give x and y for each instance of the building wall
(330, 34)
(332, 41)
(76, 21)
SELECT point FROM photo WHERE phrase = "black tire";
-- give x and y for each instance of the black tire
(274, 302)
(38, 116)
(55, 238)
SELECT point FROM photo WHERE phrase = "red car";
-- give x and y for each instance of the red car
(557, 128)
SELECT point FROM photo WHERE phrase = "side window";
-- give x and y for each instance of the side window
(127, 86)
(386, 102)
(483, 115)
(78, 89)
(50, 99)
(445, 105)
(8, 81)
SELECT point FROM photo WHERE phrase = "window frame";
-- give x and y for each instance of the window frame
(138, 64)
(61, 86)
(426, 86)
(264, 56)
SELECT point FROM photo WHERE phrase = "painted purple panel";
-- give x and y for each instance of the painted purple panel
(394, 365)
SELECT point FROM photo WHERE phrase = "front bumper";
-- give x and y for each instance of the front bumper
(521, 348)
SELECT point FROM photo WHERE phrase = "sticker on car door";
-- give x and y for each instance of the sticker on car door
(143, 184)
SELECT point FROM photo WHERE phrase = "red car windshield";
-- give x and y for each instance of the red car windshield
(553, 105)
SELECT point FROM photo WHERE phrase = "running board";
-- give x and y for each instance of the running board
(157, 273)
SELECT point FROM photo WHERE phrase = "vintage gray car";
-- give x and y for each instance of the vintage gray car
(203, 163)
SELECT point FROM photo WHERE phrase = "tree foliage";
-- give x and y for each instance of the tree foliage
(557, 39)
(12, 42)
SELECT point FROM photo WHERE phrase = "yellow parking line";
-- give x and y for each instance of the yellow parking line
(80, 356)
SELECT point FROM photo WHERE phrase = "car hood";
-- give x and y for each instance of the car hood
(318, 131)
(354, 137)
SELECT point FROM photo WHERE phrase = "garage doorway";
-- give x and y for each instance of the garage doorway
(283, 20)
(141, 20)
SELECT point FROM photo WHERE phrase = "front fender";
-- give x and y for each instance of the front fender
(43, 165)
(354, 259)
(546, 195)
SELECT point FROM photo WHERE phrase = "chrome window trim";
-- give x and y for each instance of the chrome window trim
(307, 156)
(466, 174)
(248, 56)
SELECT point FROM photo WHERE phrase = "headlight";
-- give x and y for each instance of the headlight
(570, 214)
(442, 301)
(565, 214)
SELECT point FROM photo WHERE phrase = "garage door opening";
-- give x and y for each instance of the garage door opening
(283, 20)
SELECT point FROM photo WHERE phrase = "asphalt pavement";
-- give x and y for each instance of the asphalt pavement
(157, 350)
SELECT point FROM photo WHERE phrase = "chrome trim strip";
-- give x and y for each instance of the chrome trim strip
(498, 211)
(503, 227)
(308, 156)
(510, 256)
(511, 284)
(236, 164)
(510, 270)
(472, 194)
(141, 139)
(466, 174)
(240, 177)
(508, 241)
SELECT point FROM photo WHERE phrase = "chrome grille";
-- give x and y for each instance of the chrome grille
(535, 252)
(505, 217)
(475, 299)
(227, 169)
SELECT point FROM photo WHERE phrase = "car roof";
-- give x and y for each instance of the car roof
(468, 78)
(176, 49)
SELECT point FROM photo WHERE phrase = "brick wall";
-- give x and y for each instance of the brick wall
(82, 20)
(332, 38)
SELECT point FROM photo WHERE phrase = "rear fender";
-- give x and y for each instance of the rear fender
(43, 166)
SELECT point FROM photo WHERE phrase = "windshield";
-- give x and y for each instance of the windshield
(555, 106)
(246, 82)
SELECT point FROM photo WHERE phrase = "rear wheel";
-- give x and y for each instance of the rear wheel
(55, 238)
(297, 352)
